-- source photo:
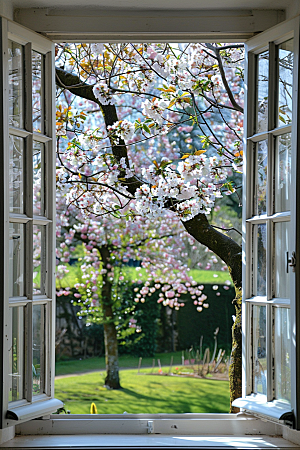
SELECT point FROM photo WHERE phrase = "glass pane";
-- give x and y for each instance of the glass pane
(38, 179)
(16, 174)
(259, 350)
(260, 206)
(259, 259)
(281, 245)
(37, 92)
(16, 353)
(282, 354)
(262, 92)
(16, 260)
(39, 259)
(285, 81)
(283, 173)
(38, 348)
(16, 84)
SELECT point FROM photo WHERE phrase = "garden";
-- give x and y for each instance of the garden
(148, 217)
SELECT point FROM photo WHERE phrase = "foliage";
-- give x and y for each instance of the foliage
(146, 316)
(182, 96)
(219, 314)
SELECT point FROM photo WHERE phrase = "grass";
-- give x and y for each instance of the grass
(86, 365)
(201, 276)
(151, 394)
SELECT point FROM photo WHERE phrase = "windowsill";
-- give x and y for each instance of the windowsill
(150, 441)
(144, 424)
(215, 431)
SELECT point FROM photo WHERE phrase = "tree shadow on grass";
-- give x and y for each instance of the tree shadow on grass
(136, 394)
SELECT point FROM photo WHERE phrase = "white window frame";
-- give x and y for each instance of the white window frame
(30, 406)
(64, 424)
(256, 404)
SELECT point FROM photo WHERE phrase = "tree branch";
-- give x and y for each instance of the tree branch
(223, 76)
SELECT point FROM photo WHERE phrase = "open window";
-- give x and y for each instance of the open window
(28, 212)
(270, 281)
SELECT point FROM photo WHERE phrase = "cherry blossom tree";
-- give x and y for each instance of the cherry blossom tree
(110, 243)
(166, 139)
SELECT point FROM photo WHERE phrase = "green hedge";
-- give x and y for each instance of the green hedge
(152, 318)
(191, 325)
(147, 315)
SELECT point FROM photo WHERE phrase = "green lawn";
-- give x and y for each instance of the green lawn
(86, 365)
(201, 276)
(143, 393)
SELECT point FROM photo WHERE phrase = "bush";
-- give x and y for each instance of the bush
(191, 325)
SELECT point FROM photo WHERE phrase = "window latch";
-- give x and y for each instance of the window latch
(150, 427)
(290, 262)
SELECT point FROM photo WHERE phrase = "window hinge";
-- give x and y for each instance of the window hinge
(150, 427)
(290, 262)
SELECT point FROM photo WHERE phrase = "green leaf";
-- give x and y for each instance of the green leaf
(146, 128)
(282, 119)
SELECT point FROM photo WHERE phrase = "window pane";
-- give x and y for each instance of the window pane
(16, 174)
(281, 245)
(39, 259)
(38, 179)
(16, 353)
(259, 259)
(37, 91)
(262, 92)
(285, 81)
(260, 199)
(283, 173)
(259, 350)
(282, 354)
(16, 260)
(38, 348)
(16, 84)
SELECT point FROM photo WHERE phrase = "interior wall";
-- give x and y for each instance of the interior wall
(7, 434)
(6, 9)
(293, 9)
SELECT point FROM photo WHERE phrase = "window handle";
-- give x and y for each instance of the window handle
(290, 262)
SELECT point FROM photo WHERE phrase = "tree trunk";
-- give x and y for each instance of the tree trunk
(112, 379)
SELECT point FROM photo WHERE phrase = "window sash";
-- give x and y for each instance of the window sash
(30, 41)
(281, 33)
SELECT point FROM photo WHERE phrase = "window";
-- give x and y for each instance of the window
(27, 242)
(28, 260)
(269, 302)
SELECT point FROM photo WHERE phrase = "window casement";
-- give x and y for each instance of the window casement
(28, 210)
(270, 306)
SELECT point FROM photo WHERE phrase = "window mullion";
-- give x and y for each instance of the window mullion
(49, 97)
(47, 357)
(28, 352)
(270, 211)
(29, 226)
(272, 86)
(28, 86)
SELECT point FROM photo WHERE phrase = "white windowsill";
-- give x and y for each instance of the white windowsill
(151, 441)
(153, 431)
